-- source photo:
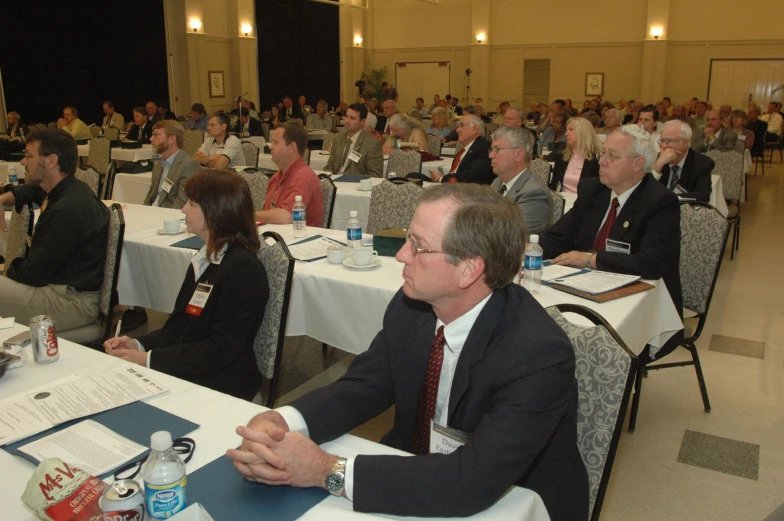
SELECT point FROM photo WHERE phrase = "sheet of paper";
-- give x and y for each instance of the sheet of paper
(5, 323)
(95, 394)
(554, 271)
(88, 445)
(312, 248)
(595, 282)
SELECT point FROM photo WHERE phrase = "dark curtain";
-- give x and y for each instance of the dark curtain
(82, 53)
(299, 51)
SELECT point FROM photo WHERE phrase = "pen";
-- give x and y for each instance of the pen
(117, 331)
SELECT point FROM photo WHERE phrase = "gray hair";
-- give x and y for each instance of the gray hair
(617, 113)
(684, 128)
(517, 138)
(371, 121)
(477, 122)
(520, 112)
(643, 144)
(399, 121)
(392, 103)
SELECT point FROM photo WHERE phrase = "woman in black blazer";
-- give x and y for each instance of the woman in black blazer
(580, 158)
(208, 339)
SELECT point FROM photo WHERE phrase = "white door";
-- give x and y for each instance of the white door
(420, 80)
(737, 82)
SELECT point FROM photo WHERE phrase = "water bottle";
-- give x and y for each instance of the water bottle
(532, 267)
(12, 177)
(298, 213)
(539, 144)
(156, 157)
(164, 478)
(353, 231)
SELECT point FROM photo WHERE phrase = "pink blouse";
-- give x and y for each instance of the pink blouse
(573, 171)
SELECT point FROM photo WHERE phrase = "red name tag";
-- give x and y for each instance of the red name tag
(199, 299)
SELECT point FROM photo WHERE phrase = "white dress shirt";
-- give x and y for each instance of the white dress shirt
(622, 198)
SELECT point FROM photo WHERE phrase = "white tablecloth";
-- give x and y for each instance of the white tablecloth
(131, 188)
(218, 416)
(319, 158)
(123, 154)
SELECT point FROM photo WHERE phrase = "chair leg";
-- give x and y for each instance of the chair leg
(700, 377)
(636, 398)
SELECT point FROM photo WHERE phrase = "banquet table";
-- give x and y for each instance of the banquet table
(123, 154)
(218, 415)
(319, 159)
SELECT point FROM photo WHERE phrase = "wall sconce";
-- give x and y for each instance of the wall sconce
(357, 40)
(481, 37)
(195, 24)
(656, 32)
(246, 28)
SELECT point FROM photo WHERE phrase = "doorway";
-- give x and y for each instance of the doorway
(739, 82)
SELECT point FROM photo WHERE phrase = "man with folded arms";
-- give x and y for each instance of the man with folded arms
(142, 127)
(355, 151)
(63, 270)
(321, 120)
(71, 123)
(472, 163)
(774, 120)
(461, 347)
(624, 221)
(287, 146)
(715, 136)
(678, 167)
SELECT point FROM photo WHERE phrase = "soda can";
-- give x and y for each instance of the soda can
(123, 501)
(44, 338)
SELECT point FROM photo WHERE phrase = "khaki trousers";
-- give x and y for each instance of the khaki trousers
(69, 308)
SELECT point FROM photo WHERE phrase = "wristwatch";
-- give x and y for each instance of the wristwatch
(588, 256)
(336, 480)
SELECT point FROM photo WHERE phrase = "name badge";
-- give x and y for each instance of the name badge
(354, 156)
(445, 440)
(679, 190)
(618, 247)
(199, 299)
(167, 185)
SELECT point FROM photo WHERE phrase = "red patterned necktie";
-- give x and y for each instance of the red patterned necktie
(601, 239)
(426, 408)
(456, 161)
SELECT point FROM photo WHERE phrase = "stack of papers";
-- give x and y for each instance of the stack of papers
(595, 282)
(312, 248)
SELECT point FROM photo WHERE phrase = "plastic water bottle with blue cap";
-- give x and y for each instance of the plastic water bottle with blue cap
(164, 478)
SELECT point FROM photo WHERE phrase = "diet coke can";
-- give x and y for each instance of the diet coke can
(44, 337)
(123, 501)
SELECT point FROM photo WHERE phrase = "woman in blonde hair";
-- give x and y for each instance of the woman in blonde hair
(580, 159)
(440, 123)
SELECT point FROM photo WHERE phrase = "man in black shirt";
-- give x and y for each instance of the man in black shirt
(63, 270)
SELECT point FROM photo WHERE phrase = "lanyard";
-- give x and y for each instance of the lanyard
(182, 446)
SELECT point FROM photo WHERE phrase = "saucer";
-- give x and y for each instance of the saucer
(350, 264)
(360, 189)
(162, 231)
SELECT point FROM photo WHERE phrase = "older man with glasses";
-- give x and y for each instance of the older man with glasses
(680, 168)
(472, 163)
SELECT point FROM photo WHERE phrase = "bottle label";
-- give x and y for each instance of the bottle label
(354, 234)
(299, 215)
(533, 262)
(163, 501)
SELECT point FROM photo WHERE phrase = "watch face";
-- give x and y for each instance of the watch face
(335, 482)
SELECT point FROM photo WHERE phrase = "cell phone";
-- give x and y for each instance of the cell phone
(22, 339)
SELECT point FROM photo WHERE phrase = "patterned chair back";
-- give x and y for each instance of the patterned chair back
(111, 133)
(740, 147)
(91, 178)
(306, 156)
(258, 187)
(328, 194)
(704, 235)
(392, 205)
(559, 203)
(729, 165)
(99, 155)
(265, 128)
(541, 169)
(20, 231)
(327, 143)
(268, 344)
(251, 153)
(604, 370)
(403, 162)
(192, 141)
(434, 144)
(95, 130)
(490, 128)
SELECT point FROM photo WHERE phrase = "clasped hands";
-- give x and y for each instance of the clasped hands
(126, 348)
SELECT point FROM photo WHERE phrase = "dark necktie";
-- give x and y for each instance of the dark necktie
(502, 190)
(426, 408)
(456, 161)
(601, 239)
(674, 176)
(345, 154)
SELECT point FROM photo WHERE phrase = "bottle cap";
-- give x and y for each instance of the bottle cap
(534, 238)
(298, 198)
(352, 213)
(160, 440)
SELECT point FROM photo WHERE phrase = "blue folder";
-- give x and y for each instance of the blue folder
(136, 421)
(350, 178)
(194, 243)
(227, 496)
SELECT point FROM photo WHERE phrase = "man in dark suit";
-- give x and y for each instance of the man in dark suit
(164, 112)
(247, 126)
(388, 109)
(760, 129)
(291, 111)
(152, 112)
(461, 347)
(457, 109)
(13, 139)
(715, 136)
(681, 169)
(142, 127)
(623, 221)
(472, 163)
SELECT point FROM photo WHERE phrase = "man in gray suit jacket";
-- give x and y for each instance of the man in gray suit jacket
(167, 189)
(715, 136)
(509, 157)
(355, 151)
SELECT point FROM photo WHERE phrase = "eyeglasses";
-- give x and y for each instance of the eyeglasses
(612, 157)
(495, 150)
(669, 142)
(416, 250)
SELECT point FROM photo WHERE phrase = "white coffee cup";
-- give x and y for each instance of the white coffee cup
(171, 225)
(336, 256)
(366, 184)
(363, 256)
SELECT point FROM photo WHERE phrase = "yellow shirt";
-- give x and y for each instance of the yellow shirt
(78, 130)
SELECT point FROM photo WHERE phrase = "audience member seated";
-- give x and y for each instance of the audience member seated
(321, 120)
(472, 163)
(556, 131)
(738, 121)
(355, 151)
(715, 136)
(287, 147)
(624, 221)
(760, 129)
(774, 120)
(646, 119)
(198, 119)
(678, 167)
(661, 109)
(13, 140)
(498, 119)
(71, 123)
(510, 154)
(169, 175)
(612, 121)
(592, 118)
(152, 112)
(401, 131)
(211, 343)
(593, 106)
(290, 111)
(246, 125)
(436, 101)
(306, 109)
(725, 113)
(479, 111)
(699, 116)
(341, 112)
(533, 114)
(276, 119)
(62, 273)
(568, 108)
(420, 109)
(680, 113)
(579, 160)
(513, 394)
(164, 112)
(633, 114)
(370, 127)
(142, 127)
(440, 123)
(220, 150)
(456, 109)
(547, 116)
(112, 119)
(389, 109)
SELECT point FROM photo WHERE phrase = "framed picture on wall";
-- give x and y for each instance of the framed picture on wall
(217, 87)
(594, 84)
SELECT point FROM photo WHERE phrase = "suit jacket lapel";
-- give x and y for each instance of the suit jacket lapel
(595, 216)
(517, 187)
